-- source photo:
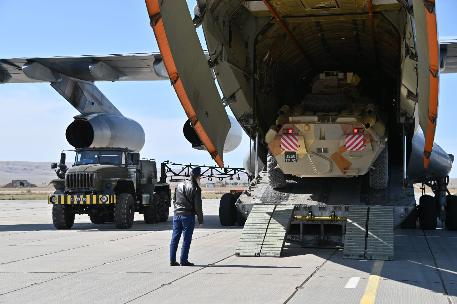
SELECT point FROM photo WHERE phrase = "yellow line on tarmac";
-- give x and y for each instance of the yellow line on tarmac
(369, 297)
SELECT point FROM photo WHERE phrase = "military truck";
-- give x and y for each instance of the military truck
(110, 185)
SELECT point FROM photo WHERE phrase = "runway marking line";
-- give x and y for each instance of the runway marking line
(352, 283)
(369, 297)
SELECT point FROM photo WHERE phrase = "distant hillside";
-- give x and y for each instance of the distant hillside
(39, 173)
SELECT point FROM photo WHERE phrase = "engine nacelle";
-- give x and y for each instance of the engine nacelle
(233, 140)
(105, 131)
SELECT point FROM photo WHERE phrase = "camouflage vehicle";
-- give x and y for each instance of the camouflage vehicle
(109, 185)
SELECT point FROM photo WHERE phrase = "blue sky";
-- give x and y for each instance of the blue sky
(34, 117)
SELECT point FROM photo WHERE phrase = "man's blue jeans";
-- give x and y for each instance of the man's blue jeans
(182, 224)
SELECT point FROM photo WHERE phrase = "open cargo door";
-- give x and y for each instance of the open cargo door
(428, 71)
(189, 73)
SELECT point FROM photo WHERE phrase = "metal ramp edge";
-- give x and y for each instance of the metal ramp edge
(369, 233)
(265, 230)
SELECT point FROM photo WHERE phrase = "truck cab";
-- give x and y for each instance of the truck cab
(110, 185)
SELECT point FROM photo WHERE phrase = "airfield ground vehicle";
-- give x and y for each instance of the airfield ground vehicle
(109, 185)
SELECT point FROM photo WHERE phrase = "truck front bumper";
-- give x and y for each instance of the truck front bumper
(89, 199)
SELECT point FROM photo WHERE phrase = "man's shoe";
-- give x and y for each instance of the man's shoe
(174, 264)
(187, 263)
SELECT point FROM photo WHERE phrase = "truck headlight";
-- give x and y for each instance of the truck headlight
(104, 199)
(53, 199)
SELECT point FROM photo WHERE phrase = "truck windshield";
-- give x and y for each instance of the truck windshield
(88, 157)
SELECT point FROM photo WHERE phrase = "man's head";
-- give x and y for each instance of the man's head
(196, 173)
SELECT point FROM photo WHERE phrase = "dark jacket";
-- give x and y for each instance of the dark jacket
(188, 199)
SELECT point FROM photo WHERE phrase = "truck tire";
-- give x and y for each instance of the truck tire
(427, 212)
(277, 179)
(63, 216)
(150, 212)
(163, 206)
(227, 210)
(97, 219)
(124, 211)
(109, 217)
(379, 174)
(451, 212)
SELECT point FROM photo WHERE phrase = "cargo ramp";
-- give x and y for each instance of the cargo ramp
(336, 213)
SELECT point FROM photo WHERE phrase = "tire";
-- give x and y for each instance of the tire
(124, 211)
(410, 222)
(150, 212)
(97, 219)
(277, 179)
(63, 216)
(227, 210)
(451, 212)
(379, 174)
(427, 212)
(163, 206)
(109, 217)
(240, 219)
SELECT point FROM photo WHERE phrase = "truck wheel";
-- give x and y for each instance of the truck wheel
(379, 174)
(163, 207)
(63, 216)
(97, 219)
(227, 210)
(427, 212)
(124, 211)
(451, 212)
(109, 217)
(275, 174)
(150, 212)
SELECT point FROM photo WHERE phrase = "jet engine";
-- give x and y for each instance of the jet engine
(103, 130)
(233, 140)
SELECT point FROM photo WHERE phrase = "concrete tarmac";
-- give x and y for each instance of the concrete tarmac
(100, 264)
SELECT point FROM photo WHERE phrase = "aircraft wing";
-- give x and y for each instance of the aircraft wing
(114, 67)
(448, 50)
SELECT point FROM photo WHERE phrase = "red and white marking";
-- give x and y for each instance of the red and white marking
(289, 142)
(355, 142)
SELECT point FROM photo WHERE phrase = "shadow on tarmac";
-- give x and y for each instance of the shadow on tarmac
(426, 260)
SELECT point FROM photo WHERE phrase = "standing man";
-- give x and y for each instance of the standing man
(187, 203)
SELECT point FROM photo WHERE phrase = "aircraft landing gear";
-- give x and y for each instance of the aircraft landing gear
(427, 212)
(451, 212)
(443, 205)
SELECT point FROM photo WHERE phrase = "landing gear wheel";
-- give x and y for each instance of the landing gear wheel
(97, 219)
(427, 212)
(451, 212)
(63, 216)
(410, 222)
(227, 210)
(124, 211)
(379, 174)
(163, 206)
(275, 174)
(240, 218)
(150, 212)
